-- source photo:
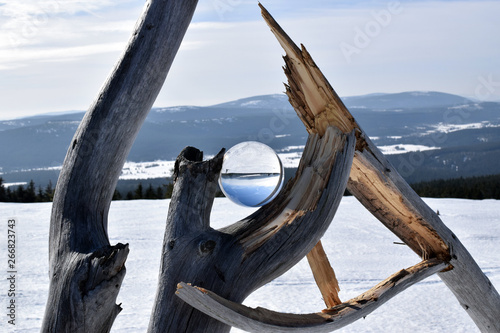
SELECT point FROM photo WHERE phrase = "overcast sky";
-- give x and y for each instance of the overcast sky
(56, 54)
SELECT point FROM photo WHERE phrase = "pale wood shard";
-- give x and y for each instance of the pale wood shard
(260, 320)
(324, 275)
(380, 188)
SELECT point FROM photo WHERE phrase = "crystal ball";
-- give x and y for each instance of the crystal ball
(252, 174)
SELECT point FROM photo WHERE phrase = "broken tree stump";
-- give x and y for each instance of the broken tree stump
(236, 260)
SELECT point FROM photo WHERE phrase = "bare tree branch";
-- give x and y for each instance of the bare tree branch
(262, 320)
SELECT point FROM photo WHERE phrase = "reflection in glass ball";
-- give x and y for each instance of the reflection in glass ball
(252, 174)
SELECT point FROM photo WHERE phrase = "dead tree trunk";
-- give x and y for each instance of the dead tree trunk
(85, 270)
(236, 260)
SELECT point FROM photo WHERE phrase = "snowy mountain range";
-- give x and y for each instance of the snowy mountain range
(429, 135)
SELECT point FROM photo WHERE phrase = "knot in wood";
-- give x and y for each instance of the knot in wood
(206, 247)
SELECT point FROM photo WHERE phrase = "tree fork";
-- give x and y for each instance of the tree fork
(230, 261)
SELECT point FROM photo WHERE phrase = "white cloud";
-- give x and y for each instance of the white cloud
(17, 10)
(17, 59)
(430, 45)
(30, 22)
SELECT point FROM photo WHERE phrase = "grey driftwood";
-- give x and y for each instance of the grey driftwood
(86, 271)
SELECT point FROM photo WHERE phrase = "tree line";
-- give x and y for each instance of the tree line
(30, 193)
(163, 191)
(483, 187)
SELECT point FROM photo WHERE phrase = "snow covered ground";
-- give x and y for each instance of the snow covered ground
(147, 170)
(360, 249)
(290, 157)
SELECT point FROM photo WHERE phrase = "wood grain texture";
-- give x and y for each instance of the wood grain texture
(262, 320)
(324, 275)
(85, 270)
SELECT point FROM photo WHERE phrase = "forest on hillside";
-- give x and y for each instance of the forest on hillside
(483, 187)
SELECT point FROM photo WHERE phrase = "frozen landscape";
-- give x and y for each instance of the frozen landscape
(447, 136)
(360, 249)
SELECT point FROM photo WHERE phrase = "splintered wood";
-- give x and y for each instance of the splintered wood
(380, 188)
(373, 180)
(313, 98)
(324, 275)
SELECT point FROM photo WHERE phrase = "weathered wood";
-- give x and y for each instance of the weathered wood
(324, 275)
(380, 188)
(318, 105)
(236, 260)
(191, 249)
(85, 271)
(406, 210)
(262, 320)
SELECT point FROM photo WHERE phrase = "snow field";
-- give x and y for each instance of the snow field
(360, 249)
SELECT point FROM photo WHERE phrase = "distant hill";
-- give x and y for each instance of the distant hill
(257, 102)
(405, 100)
(432, 134)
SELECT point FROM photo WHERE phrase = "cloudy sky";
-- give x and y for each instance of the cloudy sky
(56, 54)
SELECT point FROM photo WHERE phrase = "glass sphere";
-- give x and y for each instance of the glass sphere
(252, 174)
